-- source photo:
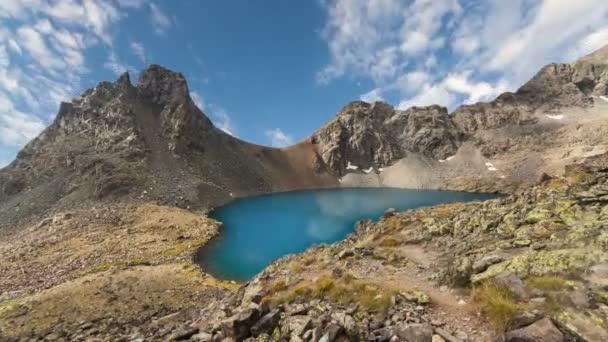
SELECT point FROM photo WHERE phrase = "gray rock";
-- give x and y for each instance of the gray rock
(524, 318)
(267, 323)
(485, 262)
(540, 331)
(298, 325)
(416, 332)
(183, 333)
(511, 282)
(344, 320)
(332, 331)
(345, 254)
(390, 212)
(238, 326)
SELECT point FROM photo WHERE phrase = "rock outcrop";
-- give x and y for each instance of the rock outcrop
(375, 135)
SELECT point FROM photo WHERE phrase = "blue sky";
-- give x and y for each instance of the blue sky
(272, 72)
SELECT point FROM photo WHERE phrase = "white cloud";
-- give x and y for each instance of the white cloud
(430, 94)
(453, 90)
(278, 138)
(355, 31)
(113, 64)
(372, 96)
(198, 100)
(475, 91)
(592, 42)
(35, 44)
(139, 51)
(456, 51)
(413, 80)
(222, 120)
(160, 20)
(16, 128)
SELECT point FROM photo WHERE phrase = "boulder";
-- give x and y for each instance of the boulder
(511, 282)
(390, 212)
(482, 264)
(267, 323)
(345, 254)
(345, 320)
(416, 332)
(183, 333)
(298, 325)
(238, 326)
(540, 331)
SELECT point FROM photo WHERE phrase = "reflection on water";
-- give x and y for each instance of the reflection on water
(257, 230)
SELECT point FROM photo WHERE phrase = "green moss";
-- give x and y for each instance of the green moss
(540, 263)
(536, 215)
(126, 262)
(12, 309)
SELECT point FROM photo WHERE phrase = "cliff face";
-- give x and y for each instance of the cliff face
(375, 135)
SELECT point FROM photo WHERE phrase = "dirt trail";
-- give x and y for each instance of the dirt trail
(450, 307)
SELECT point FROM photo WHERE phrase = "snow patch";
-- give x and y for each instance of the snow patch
(446, 159)
(369, 170)
(604, 98)
(351, 167)
(489, 164)
(380, 169)
(491, 167)
(555, 117)
(502, 177)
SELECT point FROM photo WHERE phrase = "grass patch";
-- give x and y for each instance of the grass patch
(556, 183)
(497, 303)
(186, 246)
(345, 291)
(126, 262)
(547, 283)
(389, 241)
(296, 267)
(278, 286)
(393, 223)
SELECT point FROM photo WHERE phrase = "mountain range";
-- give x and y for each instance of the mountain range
(149, 142)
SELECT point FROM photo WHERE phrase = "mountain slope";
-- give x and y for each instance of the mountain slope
(147, 142)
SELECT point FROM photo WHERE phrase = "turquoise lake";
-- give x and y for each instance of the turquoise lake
(258, 230)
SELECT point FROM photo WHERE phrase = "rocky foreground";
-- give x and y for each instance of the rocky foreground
(528, 267)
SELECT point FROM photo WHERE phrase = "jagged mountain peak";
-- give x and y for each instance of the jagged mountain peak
(163, 85)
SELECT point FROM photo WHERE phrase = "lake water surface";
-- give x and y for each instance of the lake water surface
(258, 230)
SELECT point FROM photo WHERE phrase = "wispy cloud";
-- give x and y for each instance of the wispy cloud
(222, 120)
(485, 46)
(278, 138)
(113, 64)
(372, 96)
(160, 20)
(139, 51)
(198, 100)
